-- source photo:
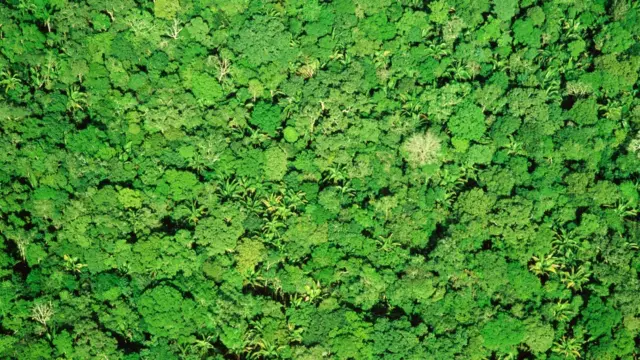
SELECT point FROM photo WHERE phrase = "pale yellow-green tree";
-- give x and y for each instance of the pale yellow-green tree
(421, 149)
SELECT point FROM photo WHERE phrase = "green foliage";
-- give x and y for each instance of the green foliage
(503, 333)
(275, 165)
(166, 9)
(539, 337)
(100, 22)
(164, 312)
(206, 88)
(220, 233)
(378, 27)
(505, 9)
(600, 319)
(303, 179)
(526, 33)
(266, 117)
(468, 123)
(290, 134)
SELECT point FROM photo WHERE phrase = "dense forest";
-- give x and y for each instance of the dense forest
(316, 179)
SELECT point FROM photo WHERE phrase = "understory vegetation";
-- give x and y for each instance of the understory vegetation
(315, 179)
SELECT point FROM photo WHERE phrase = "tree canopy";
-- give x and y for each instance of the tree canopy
(315, 179)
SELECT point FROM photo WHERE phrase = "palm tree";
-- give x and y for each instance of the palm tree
(568, 347)
(575, 279)
(75, 99)
(386, 244)
(9, 80)
(563, 311)
(544, 265)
